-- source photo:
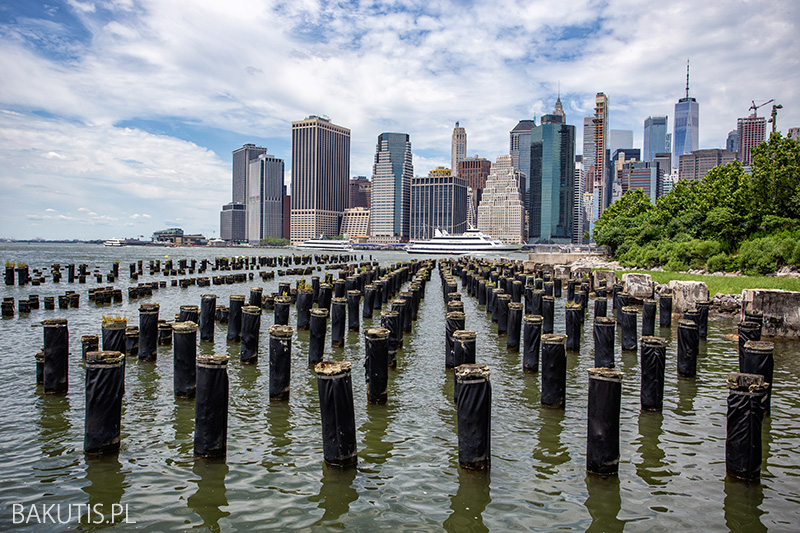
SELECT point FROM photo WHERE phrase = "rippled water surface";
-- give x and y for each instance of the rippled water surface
(672, 464)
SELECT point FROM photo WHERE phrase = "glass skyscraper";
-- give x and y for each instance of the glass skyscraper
(391, 188)
(685, 139)
(655, 137)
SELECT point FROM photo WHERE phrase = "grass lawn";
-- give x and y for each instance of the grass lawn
(723, 284)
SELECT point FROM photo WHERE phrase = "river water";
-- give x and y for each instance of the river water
(672, 464)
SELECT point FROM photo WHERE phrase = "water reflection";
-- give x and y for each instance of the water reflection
(376, 449)
(105, 482)
(183, 424)
(54, 424)
(211, 496)
(279, 428)
(743, 506)
(336, 494)
(766, 444)
(604, 503)
(652, 467)
(687, 392)
(551, 451)
(469, 501)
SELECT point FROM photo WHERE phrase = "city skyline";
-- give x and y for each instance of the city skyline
(111, 113)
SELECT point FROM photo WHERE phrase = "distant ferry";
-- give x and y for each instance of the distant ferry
(114, 242)
(473, 241)
(333, 245)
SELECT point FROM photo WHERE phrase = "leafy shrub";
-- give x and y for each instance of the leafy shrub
(760, 256)
(718, 263)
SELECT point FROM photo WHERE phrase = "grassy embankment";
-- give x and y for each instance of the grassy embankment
(723, 284)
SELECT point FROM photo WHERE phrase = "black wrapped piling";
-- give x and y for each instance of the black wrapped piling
(628, 339)
(189, 313)
(600, 307)
(305, 299)
(463, 353)
(665, 310)
(694, 316)
(369, 301)
(554, 370)
(235, 318)
(89, 343)
(515, 311)
(316, 339)
(516, 291)
(391, 321)
(494, 303)
(211, 406)
(754, 316)
(325, 295)
(758, 359)
(409, 309)
(184, 346)
(603, 333)
(748, 331)
(474, 414)
(164, 333)
(548, 313)
(531, 342)
(56, 356)
(281, 311)
(572, 317)
(335, 387)
(208, 307)
(482, 292)
(501, 305)
(602, 436)
(132, 340)
(702, 319)
(652, 361)
(148, 331)
(251, 325)
(339, 288)
(105, 386)
(353, 304)
(280, 361)
(571, 290)
(648, 318)
(255, 296)
(399, 305)
(39, 357)
(113, 330)
(454, 321)
(376, 363)
(338, 317)
(688, 347)
(746, 395)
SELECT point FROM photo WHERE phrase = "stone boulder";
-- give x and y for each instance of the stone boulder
(581, 272)
(781, 311)
(609, 276)
(685, 294)
(562, 271)
(639, 286)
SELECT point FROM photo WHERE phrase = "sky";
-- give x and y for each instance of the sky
(118, 118)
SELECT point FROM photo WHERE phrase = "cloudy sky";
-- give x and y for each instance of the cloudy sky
(118, 118)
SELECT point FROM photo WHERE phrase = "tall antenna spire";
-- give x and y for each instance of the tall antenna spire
(687, 78)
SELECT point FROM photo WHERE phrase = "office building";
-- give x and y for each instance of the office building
(233, 222)
(235, 230)
(664, 162)
(474, 171)
(500, 212)
(438, 201)
(793, 133)
(360, 192)
(655, 137)
(642, 175)
(686, 125)
(696, 165)
(458, 147)
(552, 192)
(751, 132)
(598, 171)
(265, 201)
(391, 183)
(587, 157)
(732, 142)
(355, 223)
(520, 150)
(320, 177)
(578, 215)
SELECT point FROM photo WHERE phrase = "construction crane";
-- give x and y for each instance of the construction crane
(755, 107)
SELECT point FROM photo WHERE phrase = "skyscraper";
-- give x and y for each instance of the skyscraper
(641, 175)
(320, 174)
(360, 192)
(732, 142)
(458, 147)
(587, 159)
(598, 171)
(520, 150)
(233, 217)
(552, 195)
(474, 171)
(438, 201)
(696, 165)
(751, 132)
(655, 137)
(687, 125)
(265, 202)
(391, 185)
(500, 213)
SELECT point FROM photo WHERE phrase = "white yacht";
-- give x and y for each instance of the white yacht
(473, 241)
(332, 245)
(114, 242)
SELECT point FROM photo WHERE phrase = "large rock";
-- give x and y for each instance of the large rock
(781, 310)
(562, 271)
(581, 272)
(609, 276)
(639, 286)
(685, 294)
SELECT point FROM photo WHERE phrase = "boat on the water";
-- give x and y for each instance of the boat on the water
(470, 242)
(333, 245)
(114, 242)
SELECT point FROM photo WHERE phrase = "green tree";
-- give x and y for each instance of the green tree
(622, 220)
